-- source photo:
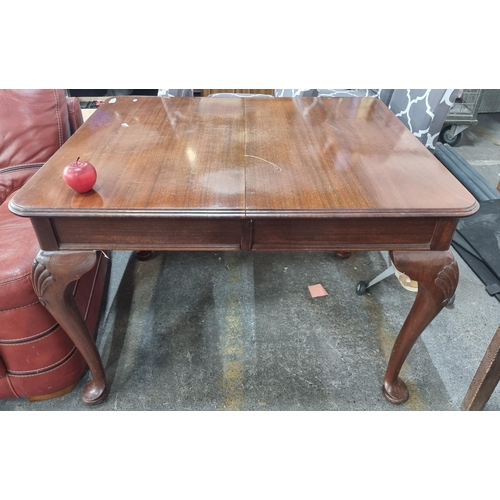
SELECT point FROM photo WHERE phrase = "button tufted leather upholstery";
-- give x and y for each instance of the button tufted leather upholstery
(37, 358)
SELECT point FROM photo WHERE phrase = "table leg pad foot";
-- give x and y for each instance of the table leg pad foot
(143, 255)
(397, 393)
(94, 393)
(342, 255)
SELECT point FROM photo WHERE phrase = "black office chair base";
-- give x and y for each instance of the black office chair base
(362, 286)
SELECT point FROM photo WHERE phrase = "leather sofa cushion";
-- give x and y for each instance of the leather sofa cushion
(16, 289)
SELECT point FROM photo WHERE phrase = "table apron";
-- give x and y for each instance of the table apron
(265, 234)
(380, 233)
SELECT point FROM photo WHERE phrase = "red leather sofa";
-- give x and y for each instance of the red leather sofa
(37, 358)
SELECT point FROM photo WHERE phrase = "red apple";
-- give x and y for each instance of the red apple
(80, 176)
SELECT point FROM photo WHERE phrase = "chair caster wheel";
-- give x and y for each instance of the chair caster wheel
(361, 288)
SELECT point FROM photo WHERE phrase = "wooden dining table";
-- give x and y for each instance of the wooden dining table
(246, 174)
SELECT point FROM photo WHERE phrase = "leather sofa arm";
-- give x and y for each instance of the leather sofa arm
(75, 113)
(13, 178)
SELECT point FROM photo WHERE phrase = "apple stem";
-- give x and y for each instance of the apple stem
(77, 158)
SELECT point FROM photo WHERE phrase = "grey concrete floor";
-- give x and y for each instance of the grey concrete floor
(230, 331)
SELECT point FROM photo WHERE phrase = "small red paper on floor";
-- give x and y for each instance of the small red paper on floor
(317, 291)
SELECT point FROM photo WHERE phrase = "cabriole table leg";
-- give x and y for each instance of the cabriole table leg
(52, 273)
(437, 277)
(342, 255)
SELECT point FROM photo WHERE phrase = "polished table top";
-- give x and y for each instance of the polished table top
(227, 157)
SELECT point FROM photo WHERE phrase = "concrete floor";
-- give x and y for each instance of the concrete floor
(229, 331)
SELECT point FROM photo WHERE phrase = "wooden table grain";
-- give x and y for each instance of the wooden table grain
(239, 174)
